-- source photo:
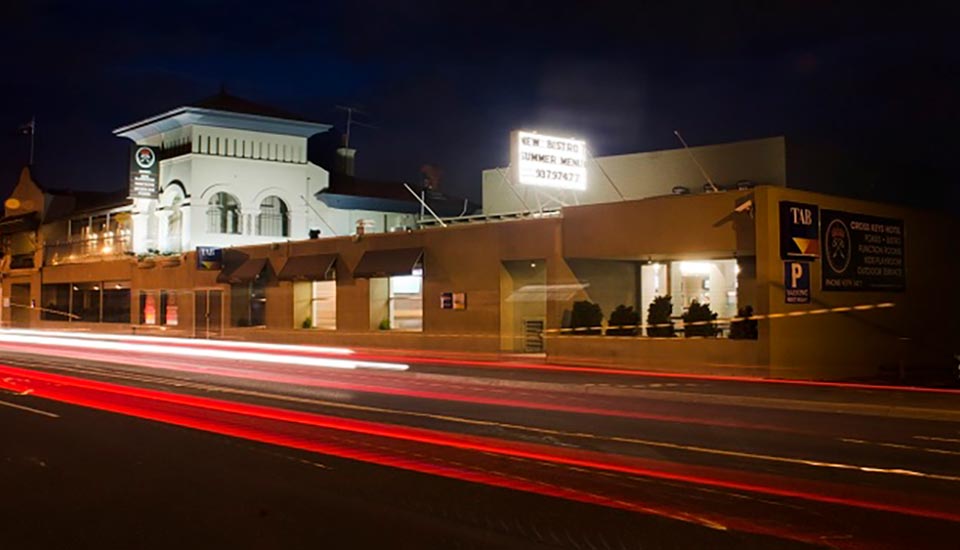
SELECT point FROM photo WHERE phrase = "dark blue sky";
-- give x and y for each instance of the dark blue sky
(869, 98)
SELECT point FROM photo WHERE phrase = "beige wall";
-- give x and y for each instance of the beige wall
(652, 174)
(921, 330)
(482, 261)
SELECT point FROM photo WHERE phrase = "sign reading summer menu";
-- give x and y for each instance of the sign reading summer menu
(548, 161)
(861, 252)
(144, 173)
(799, 231)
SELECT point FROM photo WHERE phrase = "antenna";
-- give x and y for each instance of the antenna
(350, 122)
(695, 161)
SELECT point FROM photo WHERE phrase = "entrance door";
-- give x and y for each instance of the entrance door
(208, 314)
(20, 305)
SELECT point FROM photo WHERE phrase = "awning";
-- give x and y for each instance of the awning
(250, 269)
(317, 267)
(388, 263)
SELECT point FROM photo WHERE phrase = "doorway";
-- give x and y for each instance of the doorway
(20, 305)
(208, 313)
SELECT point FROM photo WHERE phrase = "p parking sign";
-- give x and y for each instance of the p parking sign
(796, 282)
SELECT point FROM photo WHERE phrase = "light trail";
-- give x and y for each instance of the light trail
(482, 399)
(193, 342)
(196, 352)
(59, 387)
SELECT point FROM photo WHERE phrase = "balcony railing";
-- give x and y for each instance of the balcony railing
(88, 250)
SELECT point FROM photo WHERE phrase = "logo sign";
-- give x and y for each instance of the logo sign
(209, 258)
(548, 161)
(144, 173)
(453, 300)
(799, 230)
(796, 282)
(862, 253)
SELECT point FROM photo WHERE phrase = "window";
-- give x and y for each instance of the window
(85, 302)
(274, 218)
(711, 282)
(223, 214)
(315, 304)
(116, 302)
(406, 301)
(158, 308)
(248, 304)
(55, 301)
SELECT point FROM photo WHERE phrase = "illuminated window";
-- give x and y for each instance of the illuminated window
(406, 301)
(712, 282)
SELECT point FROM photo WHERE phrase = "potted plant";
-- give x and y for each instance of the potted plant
(586, 318)
(698, 320)
(623, 321)
(658, 317)
(744, 328)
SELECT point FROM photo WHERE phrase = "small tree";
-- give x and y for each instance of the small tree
(658, 316)
(626, 317)
(744, 329)
(587, 316)
(705, 319)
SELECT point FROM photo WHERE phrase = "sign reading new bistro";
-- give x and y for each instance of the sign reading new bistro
(548, 161)
(861, 252)
(144, 173)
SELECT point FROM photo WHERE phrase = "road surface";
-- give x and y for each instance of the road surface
(233, 444)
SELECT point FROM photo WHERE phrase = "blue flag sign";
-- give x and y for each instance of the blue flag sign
(209, 258)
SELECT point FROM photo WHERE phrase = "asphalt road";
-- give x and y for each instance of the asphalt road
(153, 449)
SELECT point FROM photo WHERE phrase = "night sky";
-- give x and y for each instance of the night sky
(869, 99)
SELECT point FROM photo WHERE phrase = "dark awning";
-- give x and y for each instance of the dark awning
(250, 269)
(388, 263)
(318, 267)
(19, 223)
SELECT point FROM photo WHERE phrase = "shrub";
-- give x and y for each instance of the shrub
(699, 313)
(586, 315)
(626, 317)
(658, 313)
(307, 323)
(384, 324)
(745, 329)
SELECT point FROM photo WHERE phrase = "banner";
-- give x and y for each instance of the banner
(862, 252)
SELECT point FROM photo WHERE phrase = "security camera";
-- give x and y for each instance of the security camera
(745, 206)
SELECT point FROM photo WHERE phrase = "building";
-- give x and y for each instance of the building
(844, 288)
(233, 172)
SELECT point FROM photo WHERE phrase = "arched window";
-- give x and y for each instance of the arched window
(274, 218)
(223, 214)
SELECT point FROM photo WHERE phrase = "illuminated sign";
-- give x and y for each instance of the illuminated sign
(862, 252)
(799, 227)
(796, 282)
(209, 258)
(549, 161)
(144, 173)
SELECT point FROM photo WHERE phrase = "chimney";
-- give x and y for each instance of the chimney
(345, 160)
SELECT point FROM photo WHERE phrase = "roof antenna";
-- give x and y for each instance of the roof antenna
(695, 161)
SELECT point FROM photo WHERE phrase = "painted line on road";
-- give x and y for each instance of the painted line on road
(29, 409)
(940, 439)
(900, 446)
(542, 431)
